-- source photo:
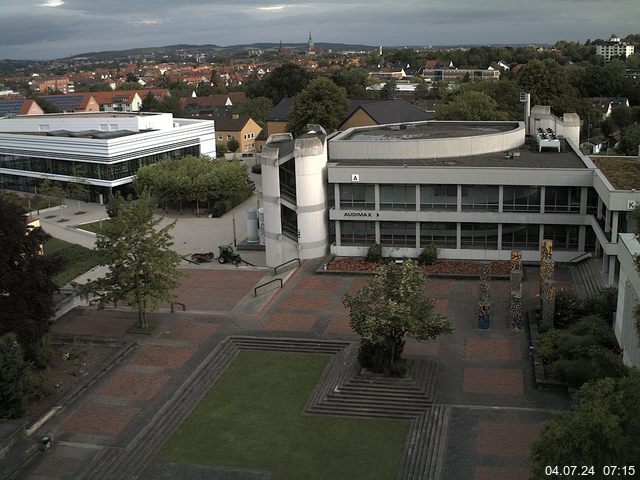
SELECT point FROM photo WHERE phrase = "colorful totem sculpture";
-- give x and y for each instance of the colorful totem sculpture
(484, 305)
(515, 305)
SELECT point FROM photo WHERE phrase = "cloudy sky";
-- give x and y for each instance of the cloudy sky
(46, 29)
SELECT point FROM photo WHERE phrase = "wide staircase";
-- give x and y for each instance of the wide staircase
(589, 277)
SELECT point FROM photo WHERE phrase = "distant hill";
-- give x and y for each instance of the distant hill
(171, 50)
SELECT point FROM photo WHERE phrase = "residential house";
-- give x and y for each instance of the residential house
(607, 104)
(14, 107)
(82, 102)
(378, 112)
(613, 48)
(62, 84)
(244, 129)
(212, 105)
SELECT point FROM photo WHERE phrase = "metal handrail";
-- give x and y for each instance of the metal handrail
(579, 257)
(184, 307)
(255, 290)
(275, 269)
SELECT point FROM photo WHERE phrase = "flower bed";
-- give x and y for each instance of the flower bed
(439, 267)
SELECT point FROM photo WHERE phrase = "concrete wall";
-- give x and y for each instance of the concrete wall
(628, 293)
(343, 148)
(274, 243)
(311, 195)
(568, 126)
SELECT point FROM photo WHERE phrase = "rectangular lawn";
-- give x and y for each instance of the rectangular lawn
(94, 227)
(253, 418)
(76, 259)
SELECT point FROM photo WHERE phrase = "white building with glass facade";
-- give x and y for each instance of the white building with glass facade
(107, 148)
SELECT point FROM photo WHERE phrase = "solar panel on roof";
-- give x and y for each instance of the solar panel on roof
(10, 107)
(65, 102)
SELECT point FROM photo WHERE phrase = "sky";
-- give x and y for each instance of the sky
(47, 29)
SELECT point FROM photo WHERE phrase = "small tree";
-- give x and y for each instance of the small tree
(390, 307)
(12, 370)
(233, 145)
(142, 266)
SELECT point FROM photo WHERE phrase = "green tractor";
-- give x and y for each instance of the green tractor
(228, 255)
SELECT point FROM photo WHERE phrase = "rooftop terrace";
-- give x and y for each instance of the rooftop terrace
(428, 130)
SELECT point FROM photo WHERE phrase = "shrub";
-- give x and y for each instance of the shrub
(573, 372)
(257, 169)
(221, 207)
(374, 254)
(548, 345)
(11, 377)
(595, 327)
(568, 308)
(40, 352)
(39, 384)
(603, 304)
(428, 255)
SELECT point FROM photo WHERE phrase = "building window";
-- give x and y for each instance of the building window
(562, 200)
(438, 197)
(357, 233)
(480, 236)
(480, 197)
(288, 180)
(289, 220)
(592, 201)
(355, 196)
(564, 237)
(220, 138)
(229, 137)
(398, 234)
(517, 236)
(442, 235)
(398, 197)
(521, 199)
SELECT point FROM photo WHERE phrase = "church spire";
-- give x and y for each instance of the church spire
(310, 43)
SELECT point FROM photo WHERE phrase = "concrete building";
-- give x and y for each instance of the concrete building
(476, 190)
(613, 48)
(108, 147)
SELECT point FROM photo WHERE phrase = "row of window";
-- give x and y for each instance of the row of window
(474, 197)
(100, 171)
(444, 235)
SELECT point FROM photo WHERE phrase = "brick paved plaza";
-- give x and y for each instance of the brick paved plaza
(485, 376)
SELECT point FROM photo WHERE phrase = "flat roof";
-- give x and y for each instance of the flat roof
(622, 172)
(428, 130)
(526, 156)
(89, 115)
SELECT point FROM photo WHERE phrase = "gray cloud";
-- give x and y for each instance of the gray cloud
(77, 26)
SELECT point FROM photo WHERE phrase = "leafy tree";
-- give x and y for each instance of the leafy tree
(548, 83)
(12, 370)
(150, 103)
(389, 89)
(46, 105)
(130, 86)
(389, 308)
(471, 105)
(355, 81)
(630, 140)
(285, 81)
(622, 116)
(506, 94)
(233, 145)
(26, 285)
(142, 266)
(256, 108)
(321, 102)
(221, 149)
(422, 91)
(603, 430)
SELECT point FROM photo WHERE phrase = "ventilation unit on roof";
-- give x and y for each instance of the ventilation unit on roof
(394, 127)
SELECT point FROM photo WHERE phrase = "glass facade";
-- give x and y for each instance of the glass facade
(288, 180)
(398, 234)
(440, 234)
(520, 199)
(357, 233)
(564, 237)
(289, 220)
(480, 235)
(480, 197)
(397, 197)
(98, 171)
(438, 197)
(354, 196)
(562, 200)
(518, 236)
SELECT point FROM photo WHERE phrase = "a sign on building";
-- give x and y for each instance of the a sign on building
(355, 177)
(361, 214)
(631, 204)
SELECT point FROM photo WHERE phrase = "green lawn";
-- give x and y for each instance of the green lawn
(77, 259)
(252, 418)
(93, 226)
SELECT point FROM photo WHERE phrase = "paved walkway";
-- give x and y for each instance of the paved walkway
(486, 377)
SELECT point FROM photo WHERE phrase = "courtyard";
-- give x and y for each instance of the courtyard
(202, 375)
